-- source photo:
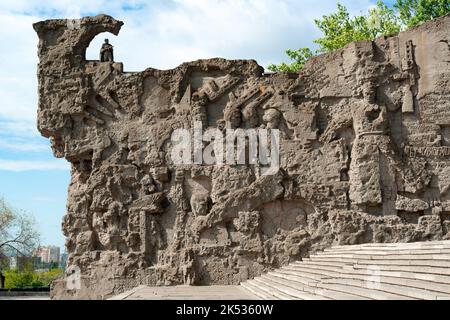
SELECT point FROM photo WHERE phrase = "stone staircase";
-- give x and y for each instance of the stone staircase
(363, 272)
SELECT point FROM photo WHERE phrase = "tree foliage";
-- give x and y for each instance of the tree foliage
(415, 12)
(18, 232)
(299, 58)
(340, 28)
(15, 279)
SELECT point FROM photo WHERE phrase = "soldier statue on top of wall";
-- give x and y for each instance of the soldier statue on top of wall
(107, 52)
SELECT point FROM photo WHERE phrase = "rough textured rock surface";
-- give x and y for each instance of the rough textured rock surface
(365, 149)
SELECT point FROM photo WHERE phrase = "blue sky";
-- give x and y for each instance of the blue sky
(160, 34)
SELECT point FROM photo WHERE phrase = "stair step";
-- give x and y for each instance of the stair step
(369, 275)
(331, 294)
(421, 269)
(335, 294)
(320, 264)
(438, 271)
(336, 264)
(434, 257)
(270, 291)
(300, 278)
(388, 288)
(318, 271)
(397, 246)
(364, 292)
(282, 286)
(368, 271)
(314, 274)
(256, 290)
(428, 270)
(311, 265)
(386, 251)
(402, 262)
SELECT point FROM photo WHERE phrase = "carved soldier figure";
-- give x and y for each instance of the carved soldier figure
(200, 204)
(107, 52)
(272, 117)
(233, 116)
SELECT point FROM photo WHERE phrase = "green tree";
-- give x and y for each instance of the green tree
(299, 58)
(340, 29)
(53, 265)
(15, 279)
(47, 277)
(18, 231)
(18, 235)
(415, 12)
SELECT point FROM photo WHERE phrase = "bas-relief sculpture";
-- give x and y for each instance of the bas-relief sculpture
(365, 146)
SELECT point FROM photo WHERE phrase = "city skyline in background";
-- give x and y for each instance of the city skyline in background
(42, 258)
(162, 35)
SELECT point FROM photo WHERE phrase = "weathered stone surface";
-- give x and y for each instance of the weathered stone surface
(365, 146)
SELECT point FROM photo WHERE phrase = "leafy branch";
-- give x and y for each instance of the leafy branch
(340, 29)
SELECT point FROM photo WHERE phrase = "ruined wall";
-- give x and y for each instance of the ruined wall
(365, 146)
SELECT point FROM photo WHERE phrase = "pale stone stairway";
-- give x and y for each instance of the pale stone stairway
(369, 271)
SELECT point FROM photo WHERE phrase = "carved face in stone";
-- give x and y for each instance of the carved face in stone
(136, 153)
(250, 116)
(369, 92)
(200, 204)
(272, 117)
(148, 185)
(200, 98)
(221, 124)
(233, 117)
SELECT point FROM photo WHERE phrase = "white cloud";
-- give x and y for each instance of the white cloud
(165, 36)
(18, 83)
(18, 144)
(24, 165)
(21, 128)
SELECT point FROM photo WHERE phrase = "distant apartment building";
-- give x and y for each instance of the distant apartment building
(49, 254)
